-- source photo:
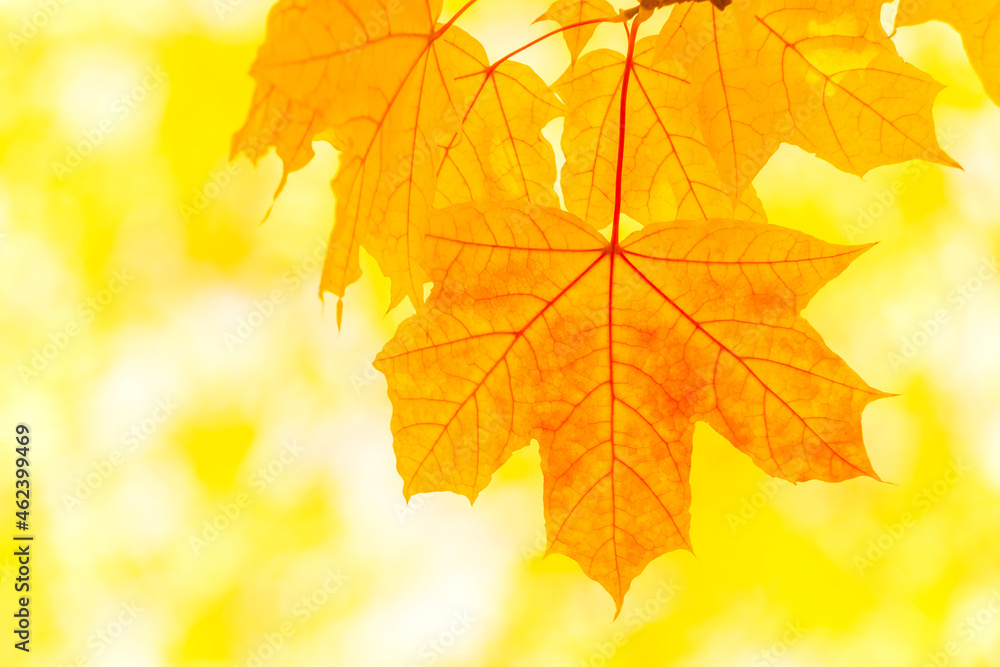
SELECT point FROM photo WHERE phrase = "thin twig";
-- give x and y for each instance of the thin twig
(656, 4)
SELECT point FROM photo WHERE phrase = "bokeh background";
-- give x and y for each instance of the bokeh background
(213, 469)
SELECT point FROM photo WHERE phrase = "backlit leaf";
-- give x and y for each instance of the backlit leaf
(816, 74)
(572, 12)
(978, 22)
(668, 169)
(404, 99)
(607, 350)
(539, 328)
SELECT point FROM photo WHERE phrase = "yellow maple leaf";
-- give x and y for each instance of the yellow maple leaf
(668, 171)
(978, 22)
(575, 12)
(814, 73)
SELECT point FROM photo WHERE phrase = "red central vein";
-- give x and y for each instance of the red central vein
(623, 117)
(611, 274)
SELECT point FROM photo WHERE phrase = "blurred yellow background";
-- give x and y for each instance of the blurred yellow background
(214, 476)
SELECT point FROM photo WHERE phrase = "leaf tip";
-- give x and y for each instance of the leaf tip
(277, 193)
(340, 313)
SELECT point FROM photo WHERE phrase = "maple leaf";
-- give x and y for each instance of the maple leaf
(405, 100)
(576, 12)
(607, 351)
(538, 327)
(815, 73)
(978, 22)
(668, 171)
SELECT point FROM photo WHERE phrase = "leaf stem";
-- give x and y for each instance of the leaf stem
(614, 19)
(454, 18)
(657, 4)
(641, 16)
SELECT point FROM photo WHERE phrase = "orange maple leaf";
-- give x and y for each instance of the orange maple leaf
(977, 21)
(608, 354)
(405, 100)
(815, 73)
